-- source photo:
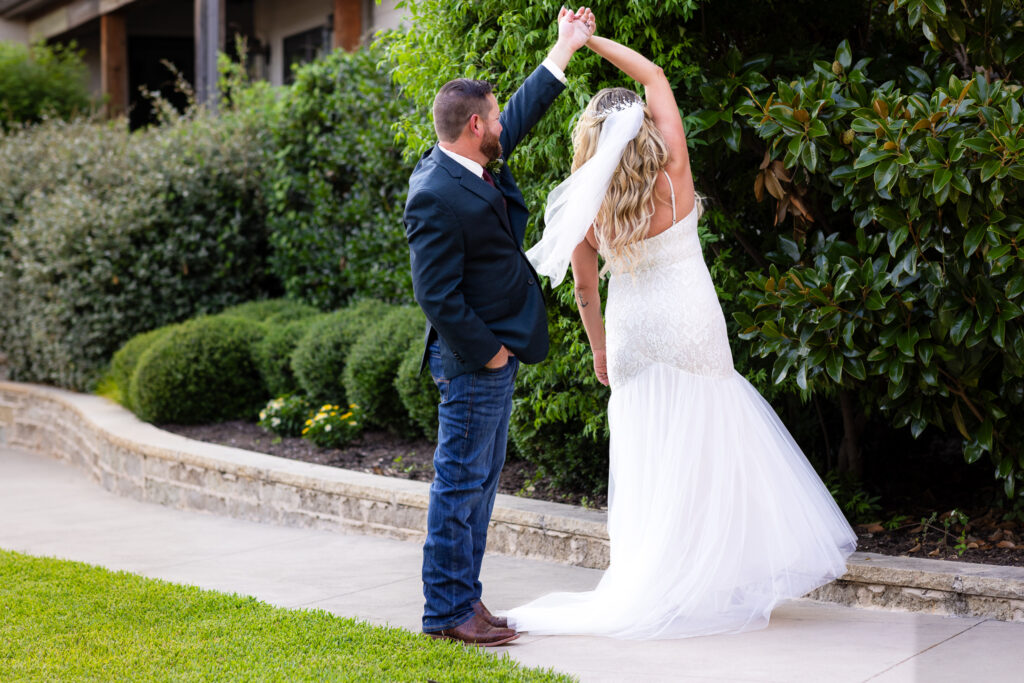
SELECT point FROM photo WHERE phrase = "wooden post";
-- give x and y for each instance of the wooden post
(209, 16)
(114, 63)
(348, 24)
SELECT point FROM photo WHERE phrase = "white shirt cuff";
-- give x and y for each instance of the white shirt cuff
(553, 68)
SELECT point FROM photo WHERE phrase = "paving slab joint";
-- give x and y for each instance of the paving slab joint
(131, 458)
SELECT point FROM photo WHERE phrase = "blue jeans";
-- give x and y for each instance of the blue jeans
(473, 429)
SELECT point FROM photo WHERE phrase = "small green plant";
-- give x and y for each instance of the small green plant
(399, 464)
(329, 427)
(286, 415)
(858, 505)
(895, 522)
(952, 519)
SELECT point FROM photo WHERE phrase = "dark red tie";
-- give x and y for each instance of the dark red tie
(489, 179)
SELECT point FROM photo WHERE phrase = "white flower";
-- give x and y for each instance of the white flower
(276, 421)
(327, 428)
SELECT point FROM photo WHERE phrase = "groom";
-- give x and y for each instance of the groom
(485, 313)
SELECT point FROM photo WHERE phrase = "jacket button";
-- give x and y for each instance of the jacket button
(530, 281)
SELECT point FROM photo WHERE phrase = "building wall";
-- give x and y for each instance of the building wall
(386, 15)
(14, 31)
(90, 43)
(274, 20)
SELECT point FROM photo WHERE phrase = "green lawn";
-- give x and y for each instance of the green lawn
(70, 621)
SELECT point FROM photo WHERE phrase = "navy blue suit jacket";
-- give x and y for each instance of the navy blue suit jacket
(469, 272)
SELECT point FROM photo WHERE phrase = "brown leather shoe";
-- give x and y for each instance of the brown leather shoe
(481, 611)
(476, 631)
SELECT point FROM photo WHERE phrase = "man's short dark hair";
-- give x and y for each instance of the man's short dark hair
(455, 102)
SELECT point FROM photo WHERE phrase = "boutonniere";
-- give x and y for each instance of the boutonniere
(494, 166)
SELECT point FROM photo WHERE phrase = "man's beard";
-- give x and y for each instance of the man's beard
(491, 147)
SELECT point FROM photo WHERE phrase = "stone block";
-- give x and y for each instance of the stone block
(319, 502)
(199, 499)
(163, 492)
(280, 496)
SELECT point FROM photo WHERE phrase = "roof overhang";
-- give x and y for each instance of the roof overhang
(50, 18)
(20, 9)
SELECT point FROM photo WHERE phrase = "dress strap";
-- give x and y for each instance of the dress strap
(673, 191)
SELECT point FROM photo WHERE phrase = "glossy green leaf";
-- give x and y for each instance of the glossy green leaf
(844, 55)
(940, 181)
(834, 367)
(974, 238)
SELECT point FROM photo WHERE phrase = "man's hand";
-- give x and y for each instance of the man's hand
(500, 359)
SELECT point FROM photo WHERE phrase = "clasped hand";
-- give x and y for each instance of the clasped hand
(576, 27)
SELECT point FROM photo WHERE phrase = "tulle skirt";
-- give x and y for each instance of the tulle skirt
(714, 516)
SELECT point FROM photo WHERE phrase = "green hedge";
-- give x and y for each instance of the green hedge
(105, 234)
(201, 371)
(372, 366)
(898, 292)
(320, 356)
(41, 80)
(271, 310)
(336, 190)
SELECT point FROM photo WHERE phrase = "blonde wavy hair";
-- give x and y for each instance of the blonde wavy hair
(624, 219)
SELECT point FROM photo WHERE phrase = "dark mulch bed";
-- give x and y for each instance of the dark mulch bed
(991, 540)
(377, 453)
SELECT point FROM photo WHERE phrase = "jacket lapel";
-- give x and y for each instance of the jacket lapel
(477, 186)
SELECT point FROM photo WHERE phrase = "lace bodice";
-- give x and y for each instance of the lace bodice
(665, 309)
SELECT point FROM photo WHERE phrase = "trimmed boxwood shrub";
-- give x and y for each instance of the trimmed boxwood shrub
(274, 353)
(320, 356)
(372, 367)
(126, 360)
(271, 310)
(201, 371)
(417, 390)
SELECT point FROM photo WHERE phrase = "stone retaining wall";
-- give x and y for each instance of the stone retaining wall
(134, 459)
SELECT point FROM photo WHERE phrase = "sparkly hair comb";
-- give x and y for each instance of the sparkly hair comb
(615, 107)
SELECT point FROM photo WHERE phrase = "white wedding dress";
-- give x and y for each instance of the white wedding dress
(714, 514)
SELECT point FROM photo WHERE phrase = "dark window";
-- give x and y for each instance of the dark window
(305, 47)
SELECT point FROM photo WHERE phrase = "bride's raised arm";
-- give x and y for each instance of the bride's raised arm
(660, 100)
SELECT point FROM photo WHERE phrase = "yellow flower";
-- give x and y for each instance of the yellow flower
(346, 415)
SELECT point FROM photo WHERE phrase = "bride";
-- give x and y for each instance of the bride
(714, 514)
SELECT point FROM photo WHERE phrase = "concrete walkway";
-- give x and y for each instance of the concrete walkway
(48, 508)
